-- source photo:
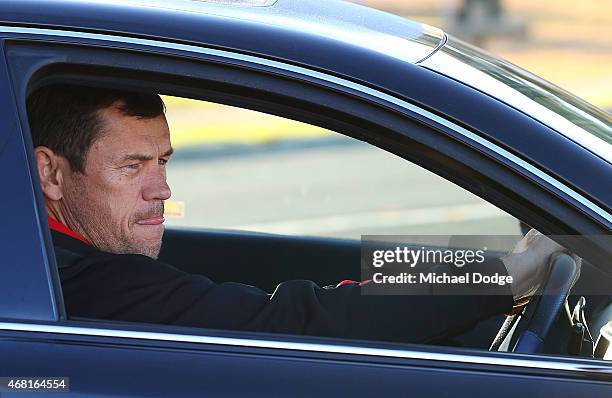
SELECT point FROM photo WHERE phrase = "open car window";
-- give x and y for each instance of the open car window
(230, 174)
(243, 170)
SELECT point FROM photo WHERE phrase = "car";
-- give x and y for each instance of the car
(512, 139)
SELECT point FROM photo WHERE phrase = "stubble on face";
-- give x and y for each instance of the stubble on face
(93, 218)
(108, 203)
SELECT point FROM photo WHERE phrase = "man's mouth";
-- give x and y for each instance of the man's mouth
(151, 221)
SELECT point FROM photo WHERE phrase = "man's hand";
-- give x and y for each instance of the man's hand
(528, 263)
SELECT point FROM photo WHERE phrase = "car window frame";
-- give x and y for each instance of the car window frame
(312, 348)
(426, 131)
(26, 284)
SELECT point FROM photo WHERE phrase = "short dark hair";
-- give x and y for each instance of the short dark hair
(65, 118)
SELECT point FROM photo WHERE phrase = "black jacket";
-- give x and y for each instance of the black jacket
(136, 288)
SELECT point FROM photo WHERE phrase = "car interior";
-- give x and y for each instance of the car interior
(327, 261)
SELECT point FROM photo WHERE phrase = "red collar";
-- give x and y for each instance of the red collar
(62, 229)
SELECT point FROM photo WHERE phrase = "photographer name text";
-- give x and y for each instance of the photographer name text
(442, 278)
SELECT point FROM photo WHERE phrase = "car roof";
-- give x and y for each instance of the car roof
(348, 25)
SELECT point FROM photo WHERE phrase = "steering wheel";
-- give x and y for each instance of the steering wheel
(543, 308)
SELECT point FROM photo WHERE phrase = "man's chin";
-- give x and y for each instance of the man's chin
(149, 250)
(148, 240)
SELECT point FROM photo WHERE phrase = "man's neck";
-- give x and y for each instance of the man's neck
(62, 228)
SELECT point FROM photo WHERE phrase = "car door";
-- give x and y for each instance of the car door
(113, 358)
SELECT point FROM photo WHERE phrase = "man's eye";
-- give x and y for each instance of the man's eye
(163, 162)
(134, 166)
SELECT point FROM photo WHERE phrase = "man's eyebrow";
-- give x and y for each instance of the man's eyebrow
(143, 157)
(168, 153)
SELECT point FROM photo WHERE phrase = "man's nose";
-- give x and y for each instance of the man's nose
(157, 188)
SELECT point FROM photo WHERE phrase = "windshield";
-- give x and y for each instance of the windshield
(580, 121)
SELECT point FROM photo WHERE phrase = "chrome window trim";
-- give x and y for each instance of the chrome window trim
(541, 176)
(313, 347)
(438, 47)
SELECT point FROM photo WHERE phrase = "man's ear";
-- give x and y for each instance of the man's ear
(50, 173)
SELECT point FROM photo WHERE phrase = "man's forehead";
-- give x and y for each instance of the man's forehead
(139, 150)
(124, 135)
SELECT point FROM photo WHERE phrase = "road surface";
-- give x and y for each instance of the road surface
(338, 188)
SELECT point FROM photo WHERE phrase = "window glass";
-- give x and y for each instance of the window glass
(584, 123)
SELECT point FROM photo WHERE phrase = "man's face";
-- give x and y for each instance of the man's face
(117, 204)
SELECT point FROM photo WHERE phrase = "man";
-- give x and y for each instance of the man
(101, 157)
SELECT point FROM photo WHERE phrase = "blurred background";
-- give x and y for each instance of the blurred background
(567, 42)
(243, 170)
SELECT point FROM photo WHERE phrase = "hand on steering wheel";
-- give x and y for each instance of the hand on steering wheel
(537, 264)
(528, 263)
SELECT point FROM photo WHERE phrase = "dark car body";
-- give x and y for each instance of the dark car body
(329, 62)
